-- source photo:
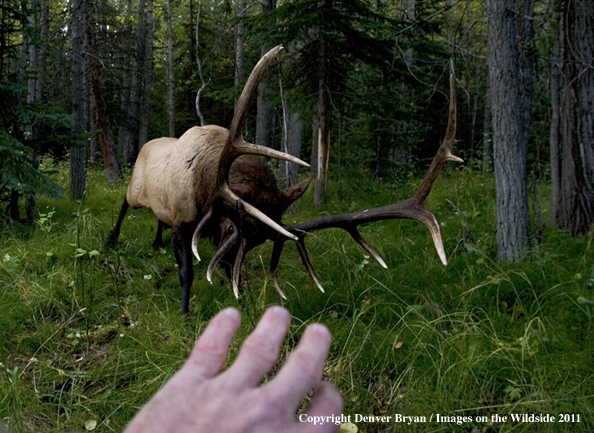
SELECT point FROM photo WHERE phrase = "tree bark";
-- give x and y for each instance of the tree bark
(112, 167)
(147, 75)
(22, 66)
(288, 172)
(78, 151)
(577, 117)
(38, 32)
(313, 161)
(266, 116)
(474, 110)
(94, 146)
(14, 206)
(129, 61)
(555, 130)
(130, 150)
(323, 126)
(170, 74)
(203, 82)
(510, 75)
(240, 72)
(487, 135)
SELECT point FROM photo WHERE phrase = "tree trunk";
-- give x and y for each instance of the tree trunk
(487, 135)
(131, 140)
(128, 60)
(510, 75)
(240, 42)
(555, 131)
(22, 66)
(14, 206)
(323, 132)
(203, 82)
(37, 54)
(58, 66)
(78, 151)
(474, 111)
(170, 74)
(411, 16)
(94, 146)
(577, 117)
(313, 161)
(288, 172)
(112, 167)
(33, 66)
(147, 75)
(266, 116)
(44, 33)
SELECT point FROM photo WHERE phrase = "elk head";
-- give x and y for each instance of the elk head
(247, 225)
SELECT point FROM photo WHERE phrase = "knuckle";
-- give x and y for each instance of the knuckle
(306, 365)
(275, 402)
(260, 347)
(210, 346)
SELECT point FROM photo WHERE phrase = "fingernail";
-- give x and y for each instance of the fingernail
(280, 311)
(320, 330)
(232, 312)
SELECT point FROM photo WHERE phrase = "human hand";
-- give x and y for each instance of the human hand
(198, 398)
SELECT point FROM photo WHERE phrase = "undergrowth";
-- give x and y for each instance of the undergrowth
(89, 333)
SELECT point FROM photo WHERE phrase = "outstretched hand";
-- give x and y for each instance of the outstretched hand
(199, 398)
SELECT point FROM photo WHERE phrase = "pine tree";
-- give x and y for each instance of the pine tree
(329, 38)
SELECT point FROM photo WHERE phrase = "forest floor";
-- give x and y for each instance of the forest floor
(88, 334)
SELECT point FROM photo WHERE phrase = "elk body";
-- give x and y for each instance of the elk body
(211, 183)
(177, 178)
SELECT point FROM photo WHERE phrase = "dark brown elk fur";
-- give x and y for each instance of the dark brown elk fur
(180, 180)
(176, 179)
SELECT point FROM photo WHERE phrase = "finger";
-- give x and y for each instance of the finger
(326, 402)
(303, 369)
(260, 350)
(210, 351)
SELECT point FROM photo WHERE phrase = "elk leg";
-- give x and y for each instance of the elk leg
(158, 243)
(115, 231)
(182, 246)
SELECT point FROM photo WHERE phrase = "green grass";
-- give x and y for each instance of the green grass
(89, 333)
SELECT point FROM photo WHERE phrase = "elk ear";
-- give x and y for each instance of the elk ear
(293, 193)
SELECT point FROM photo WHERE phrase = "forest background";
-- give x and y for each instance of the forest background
(361, 92)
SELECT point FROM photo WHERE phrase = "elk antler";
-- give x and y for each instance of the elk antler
(412, 208)
(235, 147)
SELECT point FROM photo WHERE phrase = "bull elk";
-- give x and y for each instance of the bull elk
(212, 183)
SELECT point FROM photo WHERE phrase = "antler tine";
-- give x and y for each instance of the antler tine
(198, 231)
(277, 287)
(279, 243)
(230, 196)
(247, 94)
(220, 253)
(237, 266)
(235, 146)
(412, 208)
(444, 154)
(365, 245)
(305, 259)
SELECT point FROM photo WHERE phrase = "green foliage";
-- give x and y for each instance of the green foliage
(88, 334)
(17, 173)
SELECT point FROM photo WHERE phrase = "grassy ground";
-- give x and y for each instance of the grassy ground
(88, 334)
